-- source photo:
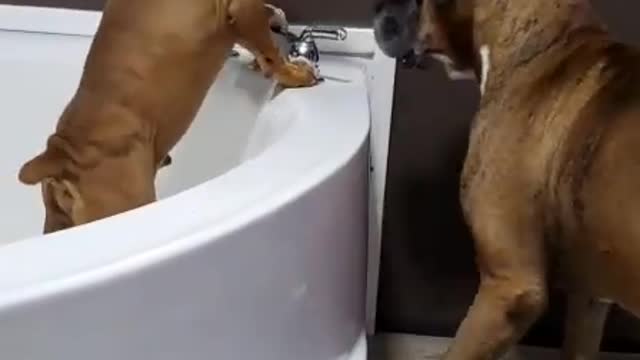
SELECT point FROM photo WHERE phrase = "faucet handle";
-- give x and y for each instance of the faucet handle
(336, 33)
(304, 45)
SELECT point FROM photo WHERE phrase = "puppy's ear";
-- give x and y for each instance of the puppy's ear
(47, 164)
(64, 195)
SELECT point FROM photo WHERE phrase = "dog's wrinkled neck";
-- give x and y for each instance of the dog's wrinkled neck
(518, 32)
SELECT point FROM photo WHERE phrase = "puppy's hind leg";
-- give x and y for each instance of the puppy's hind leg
(249, 19)
(584, 327)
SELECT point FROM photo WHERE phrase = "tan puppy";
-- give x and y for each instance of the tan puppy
(551, 184)
(146, 75)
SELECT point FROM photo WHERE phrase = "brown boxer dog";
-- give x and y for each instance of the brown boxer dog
(147, 72)
(551, 183)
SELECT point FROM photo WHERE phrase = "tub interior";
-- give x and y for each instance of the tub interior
(38, 77)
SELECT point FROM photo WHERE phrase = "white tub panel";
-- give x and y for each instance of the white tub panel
(290, 285)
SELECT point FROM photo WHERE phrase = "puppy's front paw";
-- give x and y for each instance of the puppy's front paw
(299, 73)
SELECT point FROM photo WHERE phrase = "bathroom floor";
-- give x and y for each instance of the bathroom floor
(413, 347)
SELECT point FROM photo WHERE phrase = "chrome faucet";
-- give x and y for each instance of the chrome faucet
(304, 45)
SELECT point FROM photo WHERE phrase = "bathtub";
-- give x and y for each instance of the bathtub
(257, 247)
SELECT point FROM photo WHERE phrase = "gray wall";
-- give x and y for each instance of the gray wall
(354, 12)
(428, 276)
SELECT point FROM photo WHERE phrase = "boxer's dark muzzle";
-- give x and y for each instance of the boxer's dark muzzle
(395, 27)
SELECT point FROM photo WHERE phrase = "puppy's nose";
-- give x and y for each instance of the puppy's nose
(390, 28)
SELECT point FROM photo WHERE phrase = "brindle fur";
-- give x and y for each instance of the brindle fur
(550, 186)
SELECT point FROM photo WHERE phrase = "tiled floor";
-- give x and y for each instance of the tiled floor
(411, 347)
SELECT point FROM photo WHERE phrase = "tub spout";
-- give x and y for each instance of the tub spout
(304, 45)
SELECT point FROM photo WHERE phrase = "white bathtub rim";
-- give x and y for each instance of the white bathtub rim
(42, 284)
(78, 22)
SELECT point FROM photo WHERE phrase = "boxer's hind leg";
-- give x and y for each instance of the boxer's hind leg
(584, 326)
(513, 289)
(250, 21)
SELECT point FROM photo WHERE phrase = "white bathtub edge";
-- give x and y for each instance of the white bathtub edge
(381, 78)
(75, 22)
